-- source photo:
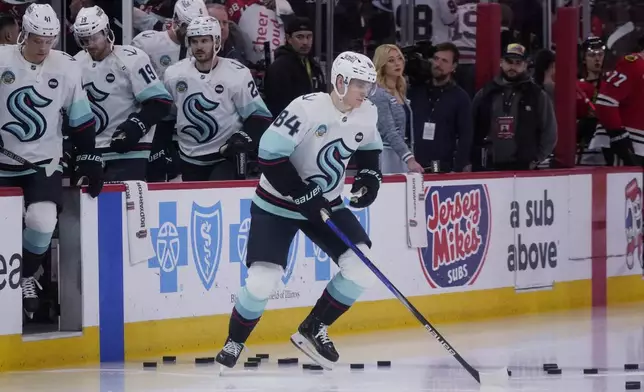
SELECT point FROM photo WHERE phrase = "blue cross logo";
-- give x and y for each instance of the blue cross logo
(171, 243)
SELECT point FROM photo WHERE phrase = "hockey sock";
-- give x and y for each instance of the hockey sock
(31, 262)
(337, 298)
(35, 245)
(245, 316)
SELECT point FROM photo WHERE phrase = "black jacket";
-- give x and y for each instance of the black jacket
(286, 79)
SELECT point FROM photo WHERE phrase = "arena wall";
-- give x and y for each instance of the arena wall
(499, 245)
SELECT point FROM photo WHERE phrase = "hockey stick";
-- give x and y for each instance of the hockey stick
(49, 169)
(240, 162)
(619, 33)
(499, 377)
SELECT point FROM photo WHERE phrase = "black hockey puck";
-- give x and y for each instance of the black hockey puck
(357, 366)
(384, 363)
(306, 366)
(509, 373)
(149, 365)
(554, 371)
(547, 366)
(631, 366)
(591, 371)
(633, 385)
(287, 361)
(262, 356)
(251, 364)
(254, 359)
(169, 359)
(315, 367)
(204, 360)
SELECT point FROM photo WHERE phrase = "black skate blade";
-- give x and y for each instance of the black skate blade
(307, 348)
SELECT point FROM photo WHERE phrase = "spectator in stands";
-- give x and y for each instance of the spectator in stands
(515, 118)
(230, 34)
(9, 30)
(294, 71)
(394, 112)
(544, 71)
(442, 116)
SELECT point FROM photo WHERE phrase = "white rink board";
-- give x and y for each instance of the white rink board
(624, 195)
(10, 263)
(483, 267)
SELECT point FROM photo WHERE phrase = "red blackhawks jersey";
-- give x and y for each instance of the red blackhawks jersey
(621, 99)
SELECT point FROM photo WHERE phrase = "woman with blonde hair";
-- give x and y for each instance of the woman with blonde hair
(394, 112)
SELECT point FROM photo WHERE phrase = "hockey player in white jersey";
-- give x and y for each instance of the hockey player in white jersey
(38, 84)
(219, 112)
(464, 37)
(166, 48)
(169, 46)
(304, 155)
(127, 97)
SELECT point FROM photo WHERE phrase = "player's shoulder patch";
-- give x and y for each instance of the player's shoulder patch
(310, 97)
(631, 58)
(234, 64)
(128, 50)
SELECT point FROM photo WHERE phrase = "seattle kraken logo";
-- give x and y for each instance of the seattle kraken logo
(203, 127)
(331, 163)
(95, 96)
(23, 104)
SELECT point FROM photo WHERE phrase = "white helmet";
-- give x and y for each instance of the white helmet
(90, 21)
(186, 10)
(40, 19)
(205, 25)
(352, 65)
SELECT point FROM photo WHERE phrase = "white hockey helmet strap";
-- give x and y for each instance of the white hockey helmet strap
(352, 65)
(41, 20)
(205, 26)
(187, 10)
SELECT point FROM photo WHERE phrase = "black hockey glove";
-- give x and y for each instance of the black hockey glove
(89, 166)
(238, 143)
(365, 185)
(622, 146)
(127, 134)
(311, 202)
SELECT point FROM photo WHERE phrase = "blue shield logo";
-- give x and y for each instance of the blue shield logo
(206, 226)
(239, 241)
(170, 242)
(322, 260)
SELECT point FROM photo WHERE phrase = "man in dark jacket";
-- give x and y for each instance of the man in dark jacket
(294, 72)
(442, 116)
(515, 126)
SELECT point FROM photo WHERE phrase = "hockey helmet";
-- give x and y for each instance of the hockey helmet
(186, 10)
(90, 21)
(205, 26)
(594, 44)
(40, 19)
(350, 66)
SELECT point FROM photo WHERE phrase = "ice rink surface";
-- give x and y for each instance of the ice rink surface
(573, 340)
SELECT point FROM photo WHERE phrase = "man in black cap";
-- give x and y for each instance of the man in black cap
(294, 72)
(515, 126)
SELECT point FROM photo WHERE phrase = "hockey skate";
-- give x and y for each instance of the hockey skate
(313, 340)
(30, 301)
(229, 355)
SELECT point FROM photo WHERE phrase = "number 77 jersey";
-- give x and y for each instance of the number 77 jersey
(621, 99)
(211, 107)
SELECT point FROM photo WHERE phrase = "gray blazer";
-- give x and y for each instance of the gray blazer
(392, 121)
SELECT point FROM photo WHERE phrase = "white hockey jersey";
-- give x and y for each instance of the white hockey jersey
(319, 140)
(211, 107)
(116, 87)
(432, 19)
(33, 98)
(464, 33)
(161, 49)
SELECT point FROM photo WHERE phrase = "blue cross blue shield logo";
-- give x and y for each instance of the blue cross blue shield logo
(322, 260)
(239, 241)
(171, 249)
(206, 227)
